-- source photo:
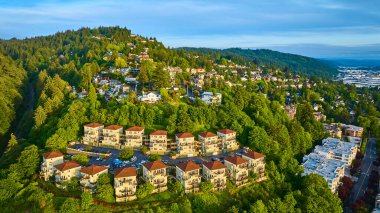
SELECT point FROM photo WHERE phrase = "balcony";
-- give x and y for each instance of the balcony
(86, 177)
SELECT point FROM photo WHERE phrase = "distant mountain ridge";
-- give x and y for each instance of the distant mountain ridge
(298, 64)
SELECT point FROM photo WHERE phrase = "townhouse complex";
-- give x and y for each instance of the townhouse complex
(330, 160)
(158, 142)
(126, 180)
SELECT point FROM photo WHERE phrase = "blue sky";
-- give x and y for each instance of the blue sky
(319, 28)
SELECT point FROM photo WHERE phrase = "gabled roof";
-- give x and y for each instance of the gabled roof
(236, 160)
(188, 166)
(67, 165)
(135, 129)
(226, 131)
(53, 154)
(159, 132)
(254, 155)
(155, 165)
(207, 134)
(113, 127)
(214, 165)
(93, 169)
(125, 172)
(93, 125)
(184, 135)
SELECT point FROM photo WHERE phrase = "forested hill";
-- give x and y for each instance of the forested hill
(296, 63)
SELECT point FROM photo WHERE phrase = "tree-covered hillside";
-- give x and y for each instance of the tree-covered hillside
(296, 63)
(252, 103)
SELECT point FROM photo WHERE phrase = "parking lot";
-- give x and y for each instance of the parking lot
(140, 158)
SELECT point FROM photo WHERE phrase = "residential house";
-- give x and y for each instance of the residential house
(156, 174)
(188, 174)
(212, 98)
(93, 133)
(134, 137)
(215, 172)
(90, 175)
(150, 97)
(210, 144)
(158, 141)
(112, 136)
(237, 170)
(64, 172)
(49, 160)
(256, 163)
(351, 130)
(228, 138)
(185, 144)
(125, 184)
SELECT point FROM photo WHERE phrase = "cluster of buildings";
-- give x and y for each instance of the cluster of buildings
(126, 179)
(330, 160)
(350, 132)
(158, 142)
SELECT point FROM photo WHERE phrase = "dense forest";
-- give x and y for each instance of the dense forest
(300, 64)
(56, 63)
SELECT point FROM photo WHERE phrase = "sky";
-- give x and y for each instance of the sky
(317, 28)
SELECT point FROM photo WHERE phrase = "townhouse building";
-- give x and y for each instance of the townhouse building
(210, 144)
(64, 172)
(351, 130)
(256, 163)
(215, 172)
(90, 175)
(134, 137)
(125, 184)
(49, 160)
(158, 141)
(228, 138)
(189, 175)
(237, 170)
(93, 133)
(156, 173)
(112, 136)
(185, 144)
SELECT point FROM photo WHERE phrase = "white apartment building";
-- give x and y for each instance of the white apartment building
(64, 172)
(112, 136)
(215, 172)
(93, 133)
(228, 138)
(185, 144)
(49, 160)
(189, 175)
(90, 175)
(134, 137)
(158, 141)
(156, 174)
(210, 143)
(125, 184)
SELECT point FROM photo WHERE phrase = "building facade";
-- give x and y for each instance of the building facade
(256, 163)
(228, 138)
(49, 160)
(134, 137)
(156, 173)
(237, 170)
(64, 172)
(125, 184)
(112, 136)
(158, 141)
(189, 175)
(90, 175)
(215, 172)
(185, 144)
(210, 144)
(93, 133)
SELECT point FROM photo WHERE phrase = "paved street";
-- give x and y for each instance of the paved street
(366, 168)
(140, 157)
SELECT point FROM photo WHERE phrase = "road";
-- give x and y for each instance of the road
(140, 157)
(366, 168)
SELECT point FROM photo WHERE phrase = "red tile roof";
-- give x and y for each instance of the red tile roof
(214, 165)
(188, 166)
(94, 125)
(125, 172)
(93, 169)
(67, 165)
(254, 155)
(184, 135)
(155, 165)
(159, 132)
(226, 131)
(135, 128)
(53, 154)
(113, 127)
(236, 160)
(208, 134)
